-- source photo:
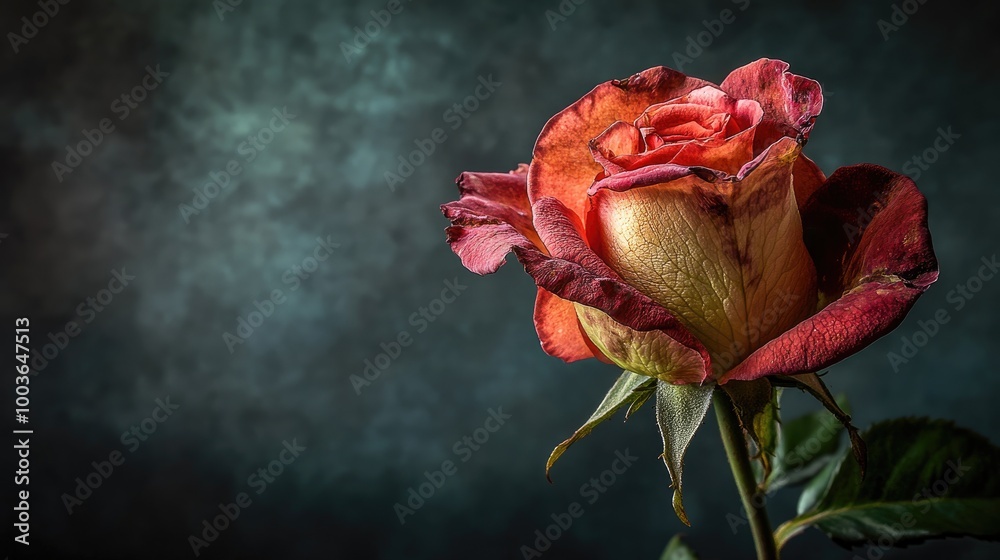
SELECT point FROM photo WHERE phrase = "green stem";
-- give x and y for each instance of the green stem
(739, 460)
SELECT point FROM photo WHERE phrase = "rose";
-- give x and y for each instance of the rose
(674, 228)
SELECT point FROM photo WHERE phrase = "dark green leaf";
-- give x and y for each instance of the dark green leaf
(627, 389)
(680, 410)
(677, 550)
(816, 487)
(926, 479)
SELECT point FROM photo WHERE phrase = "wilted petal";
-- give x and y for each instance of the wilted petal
(649, 353)
(492, 215)
(791, 103)
(870, 273)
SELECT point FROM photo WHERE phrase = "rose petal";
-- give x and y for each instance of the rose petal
(791, 103)
(745, 112)
(808, 178)
(651, 353)
(687, 120)
(724, 155)
(631, 318)
(482, 236)
(491, 216)
(559, 330)
(621, 138)
(727, 259)
(575, 273)
(872, 273)
(562, 166)
(664, 154)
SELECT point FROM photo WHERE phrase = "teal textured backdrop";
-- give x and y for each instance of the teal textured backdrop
(233, 160)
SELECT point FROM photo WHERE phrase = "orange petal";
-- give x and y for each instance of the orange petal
(562, 166)
(559, 329)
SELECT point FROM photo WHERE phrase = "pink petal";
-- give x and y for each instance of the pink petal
(491, 217)
(791, 103)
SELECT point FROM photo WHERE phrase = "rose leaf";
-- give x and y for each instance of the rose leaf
(926, 479)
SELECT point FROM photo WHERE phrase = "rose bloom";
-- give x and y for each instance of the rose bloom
(674, 228)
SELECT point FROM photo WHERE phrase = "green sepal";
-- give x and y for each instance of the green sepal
(680, 411)
(812, 384)
(629, 388)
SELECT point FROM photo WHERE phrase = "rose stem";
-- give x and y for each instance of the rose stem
(739, 460)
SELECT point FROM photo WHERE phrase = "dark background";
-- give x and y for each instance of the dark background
(324, 176)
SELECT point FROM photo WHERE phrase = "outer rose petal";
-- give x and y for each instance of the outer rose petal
(481, 236)
(727, 259)
(559, 330)
(791, 103)
(807, 177)
(645, 352)
(624, 317)
(562, 166)
(621, 314)
(872, 274)
(492, 215)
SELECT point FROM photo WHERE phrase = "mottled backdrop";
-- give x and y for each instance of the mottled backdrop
(308, 128)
